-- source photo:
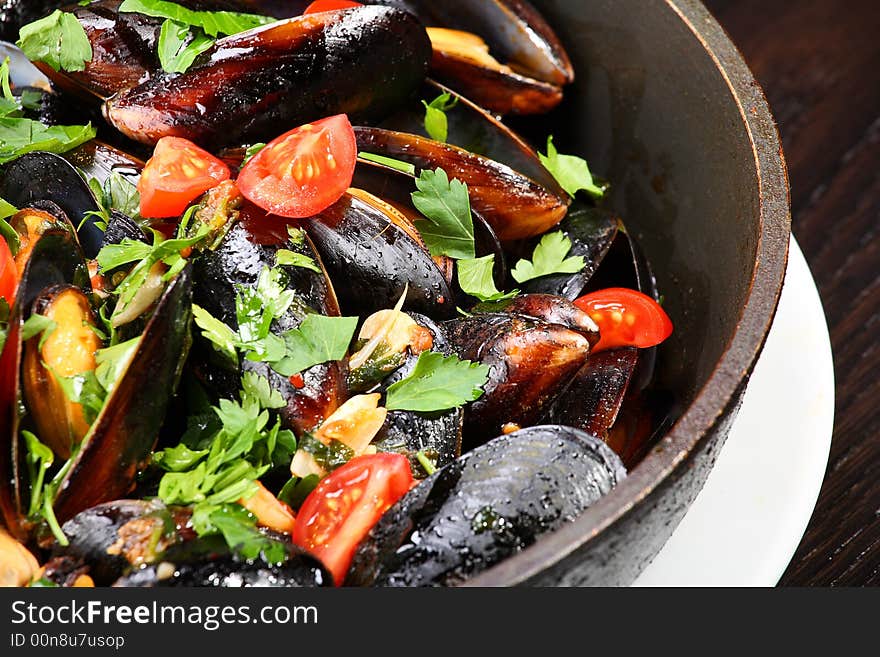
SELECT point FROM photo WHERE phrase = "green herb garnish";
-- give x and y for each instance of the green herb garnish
(475, 277)
(288, 258)
(214, 23)
(390, 162)
(436, 121)
(57, 40)
(178, 47)
(550, 257)
(449, 227)
(438, 383)
(318, 340)
(571, 172)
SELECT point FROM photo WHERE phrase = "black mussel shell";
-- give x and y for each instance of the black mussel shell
(486, 506)
(41, 176)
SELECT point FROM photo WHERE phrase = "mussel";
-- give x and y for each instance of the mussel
(379, 256)
(530, 363)
(251, 86)
(491, 503)
(436, 435)
(42, 176)
(246, 250)
(515, 206)
(547, 308)
(107, 459)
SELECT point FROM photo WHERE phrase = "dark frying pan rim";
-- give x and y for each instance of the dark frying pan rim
(719, 395)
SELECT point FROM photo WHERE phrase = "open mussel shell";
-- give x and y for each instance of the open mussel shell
(41, 176)
(55, 259)
(376, 260)
(515, 206)
(530, 362)
(99, 160)
(68, 351)
(125, 432)
(238, 261)
(491, 503)
(437, 435)
(254, 85)
(530, 64)
(473, 129)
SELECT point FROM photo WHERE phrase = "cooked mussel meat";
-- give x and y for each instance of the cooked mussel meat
(67, 352)
(491, 503)
(247, 87)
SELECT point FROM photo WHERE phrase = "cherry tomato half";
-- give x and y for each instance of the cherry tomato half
(330, 5)
(304, 171)
(177, 174)
(339, 513)
(8, 273)
(626, 318)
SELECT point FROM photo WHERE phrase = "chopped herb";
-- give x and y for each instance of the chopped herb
(297, 490)
(252, 150)
(127, 251)
(85, 390)
(318, 340)
(475, 277)
(221, 336)
(57, 40)
(35, 325)
(7, 210)
(390, 162)
(436, 121)
(438, 383)
(449, 228)
(258, 388)
(19, 136)
(179, 47)
(571, 172)
(550, 257)
(39, 459)
(214, 23)
(329, 457)
(239, 528)
(292, 259)
(427, 464)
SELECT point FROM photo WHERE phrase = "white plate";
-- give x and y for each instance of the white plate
(748, 520)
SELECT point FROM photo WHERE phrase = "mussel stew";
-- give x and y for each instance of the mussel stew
(284, 301)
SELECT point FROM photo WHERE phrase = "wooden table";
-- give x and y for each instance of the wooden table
(819, 64)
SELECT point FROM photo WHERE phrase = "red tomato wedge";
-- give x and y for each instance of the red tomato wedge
(8, 273)
(339, 513)
(304, 171)
(626, 318)
(330, 5)
(177, 174)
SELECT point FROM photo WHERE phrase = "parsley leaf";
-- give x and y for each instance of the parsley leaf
(390, 162)
(436, 122)
(291, 259)
(251, 151)
(549, 258)
(318, 340)
(571, 172)
(19, 136)
(438, 383)
(178, 47)
(258, 387)
(35, 325)
(449, 229)
(221, 336)
(214, 23)
(475, 277)
(57, 40)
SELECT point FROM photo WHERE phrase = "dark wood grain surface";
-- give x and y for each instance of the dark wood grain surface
(819, 64)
